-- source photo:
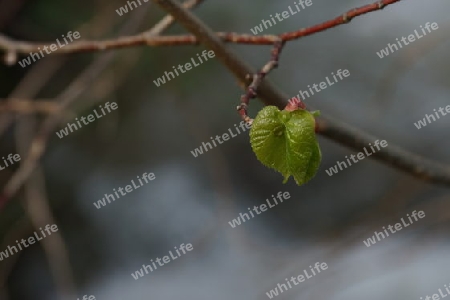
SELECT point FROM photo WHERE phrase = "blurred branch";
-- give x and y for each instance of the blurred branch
(38, 210)
(394, 156)
(23, 106)
(22, 47)
(168, 20)
(252, 89)
(36, 203)
(64, 99)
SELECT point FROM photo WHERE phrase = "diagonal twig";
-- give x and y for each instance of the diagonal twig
(24, 106)
(257, 79)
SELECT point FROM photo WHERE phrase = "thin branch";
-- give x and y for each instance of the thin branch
(23, 106)
(22, 47)
(68, 96)
(40, 73)
(342, 19)
(394, 156)
(344, 134)
(37, 208)
(257, 79)
(168, 20)
(20, 228)
(239, 68)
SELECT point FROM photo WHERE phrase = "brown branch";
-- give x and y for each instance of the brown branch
(239, 68)
(38, 210)
(342, 19)
(168, 20)
(40, 73)
(257, 79)
(22, 47)
(393, 156)
(344, 134)
(23, 106)
(64, 99)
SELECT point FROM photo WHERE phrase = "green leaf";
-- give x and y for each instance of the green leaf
(286, 141)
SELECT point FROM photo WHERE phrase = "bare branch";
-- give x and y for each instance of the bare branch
(22, 47)
(393, 156)
(67, 97)
(23, 106)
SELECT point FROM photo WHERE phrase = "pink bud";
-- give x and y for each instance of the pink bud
(294, 104)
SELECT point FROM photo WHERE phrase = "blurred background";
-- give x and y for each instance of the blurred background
(192, 199)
